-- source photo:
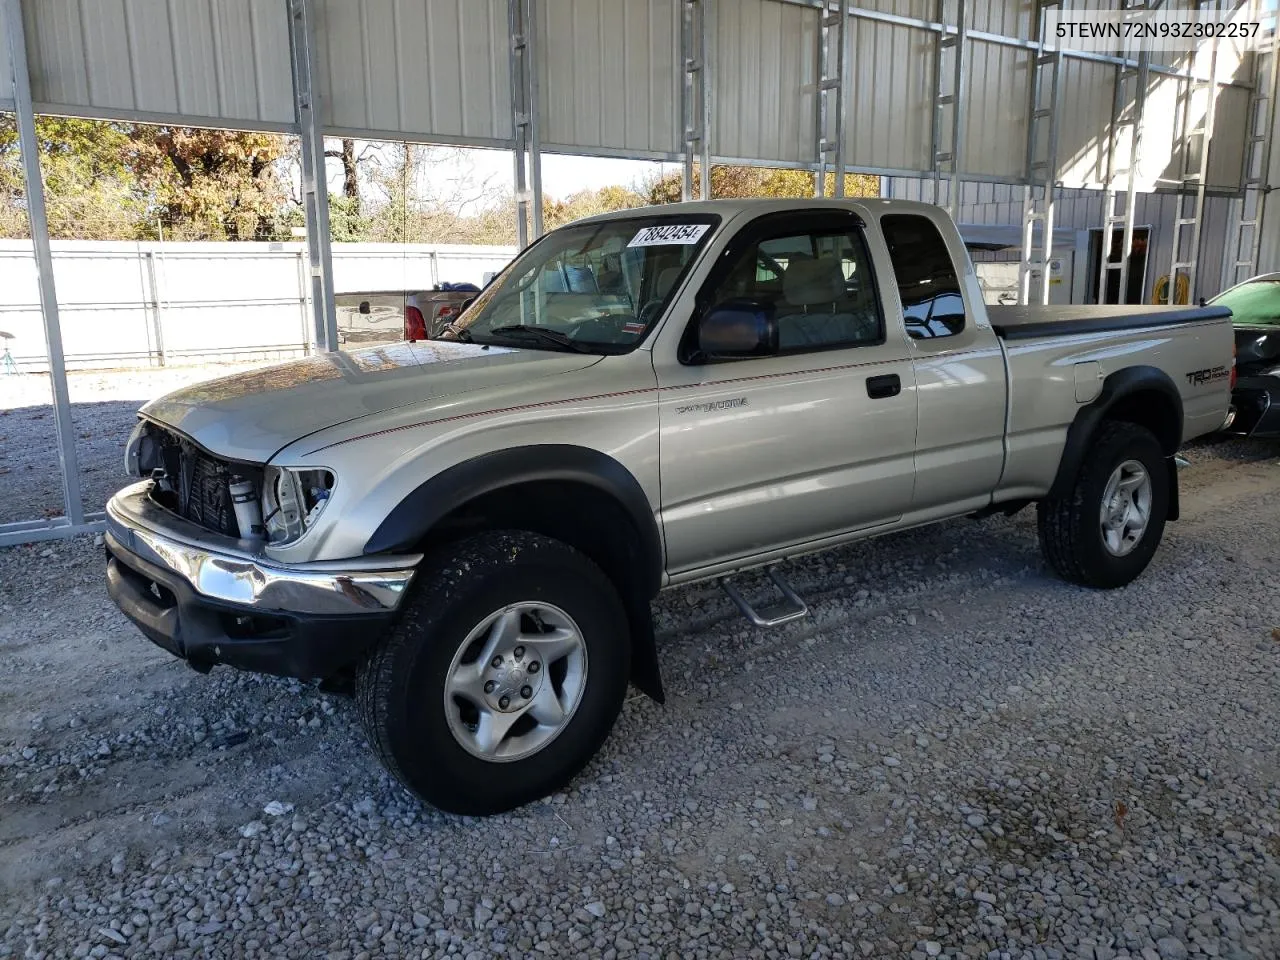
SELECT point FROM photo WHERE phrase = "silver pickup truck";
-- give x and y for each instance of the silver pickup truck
(468, 532)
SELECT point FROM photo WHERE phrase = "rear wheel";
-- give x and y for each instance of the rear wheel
(503, 677)
(1106, 530)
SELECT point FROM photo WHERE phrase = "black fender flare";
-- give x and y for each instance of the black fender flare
(1115, 388)
(431, 501)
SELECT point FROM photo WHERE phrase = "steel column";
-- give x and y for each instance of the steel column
(1189, 178)
(68, 462)
(315, 187)
(153, 286)
(526, 142)
(695, 95)
(1038, 205)
(1139, 76)
(829, 130)
(1259, 128)
(949, 98)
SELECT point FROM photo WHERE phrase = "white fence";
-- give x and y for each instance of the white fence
(127, 304)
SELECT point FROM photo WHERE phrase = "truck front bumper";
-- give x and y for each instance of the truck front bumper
(211, 599)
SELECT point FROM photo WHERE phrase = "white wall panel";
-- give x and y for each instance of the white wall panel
(423, 69)
(1269, 252)
(609, 75)
(995, 131)
(1226, 157)
(890, 97)
(609, 72)
(915, 9)
(764, 70)
(1007, 19)
(215, 298)
(1088, 91)
(1165, 144)
(209, 59)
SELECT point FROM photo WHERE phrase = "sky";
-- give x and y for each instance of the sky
(562, 175)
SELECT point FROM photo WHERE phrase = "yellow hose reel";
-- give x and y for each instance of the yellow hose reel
(1181, 290)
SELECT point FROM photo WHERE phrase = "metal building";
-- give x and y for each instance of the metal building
(966, 104)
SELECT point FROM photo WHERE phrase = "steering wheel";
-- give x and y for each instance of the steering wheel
(649, 312)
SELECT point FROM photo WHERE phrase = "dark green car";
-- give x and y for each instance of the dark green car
(1255, 315)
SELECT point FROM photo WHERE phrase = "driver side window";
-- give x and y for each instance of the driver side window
(817, 285)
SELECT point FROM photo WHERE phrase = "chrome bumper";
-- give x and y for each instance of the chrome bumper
(236, 572)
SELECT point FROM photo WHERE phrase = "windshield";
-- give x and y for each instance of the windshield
(593, 287)
(1256, 302)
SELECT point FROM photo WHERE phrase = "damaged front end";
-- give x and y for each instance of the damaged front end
(231, 498)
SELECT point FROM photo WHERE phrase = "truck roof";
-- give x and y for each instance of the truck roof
(731, 207)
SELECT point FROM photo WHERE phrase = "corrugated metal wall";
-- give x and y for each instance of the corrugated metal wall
(1269, 256)
(890, 92)
(416, 69)
(609, 72)
(1005, 19)
(1081, 209)
(763, 69)
(217, 59)
(995, 132)
(1086, 113)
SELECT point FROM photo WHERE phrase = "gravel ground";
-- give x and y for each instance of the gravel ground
(104, 407)
(958, 755)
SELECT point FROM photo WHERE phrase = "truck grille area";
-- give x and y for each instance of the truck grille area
(203, 493)
(194, 484)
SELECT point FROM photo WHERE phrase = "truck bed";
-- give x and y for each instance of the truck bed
(1035, 320)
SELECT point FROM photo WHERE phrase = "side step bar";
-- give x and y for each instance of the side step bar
(793, 609)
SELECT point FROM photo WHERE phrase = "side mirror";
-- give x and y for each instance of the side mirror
(466, 303)
(736, 329)
(364, 306)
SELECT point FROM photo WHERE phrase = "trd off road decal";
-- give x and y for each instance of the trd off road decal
(712, 406)
(1198, 378)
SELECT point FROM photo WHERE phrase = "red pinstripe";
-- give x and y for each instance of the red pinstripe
(607, 396)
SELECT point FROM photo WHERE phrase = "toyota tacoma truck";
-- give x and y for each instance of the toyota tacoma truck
(467, 532)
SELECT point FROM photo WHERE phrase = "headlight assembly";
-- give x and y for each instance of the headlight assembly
(292, 499)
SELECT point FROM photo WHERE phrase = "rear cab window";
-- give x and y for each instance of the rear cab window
(932, 304)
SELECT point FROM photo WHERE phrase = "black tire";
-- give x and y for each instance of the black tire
(1070, 528)
(400, 687)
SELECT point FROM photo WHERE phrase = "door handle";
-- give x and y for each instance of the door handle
(887, 385)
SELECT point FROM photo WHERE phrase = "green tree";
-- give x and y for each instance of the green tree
(741, 181)
(91, 192)
(588, 203)
(117, 181)
(217, 184)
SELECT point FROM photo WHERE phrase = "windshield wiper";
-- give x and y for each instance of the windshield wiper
(545, 334)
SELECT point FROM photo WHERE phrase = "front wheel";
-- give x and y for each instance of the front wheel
(1106, 530)
(503, 677)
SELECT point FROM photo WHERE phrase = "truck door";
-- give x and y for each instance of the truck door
(796, 446)
(959, 366)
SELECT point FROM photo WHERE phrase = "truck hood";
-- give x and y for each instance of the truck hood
(250, 416)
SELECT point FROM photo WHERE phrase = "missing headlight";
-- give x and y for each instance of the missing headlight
(292, 499)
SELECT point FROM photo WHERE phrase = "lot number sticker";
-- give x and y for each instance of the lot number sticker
(684, 233)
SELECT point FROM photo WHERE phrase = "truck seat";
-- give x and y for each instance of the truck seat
(817, 308)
